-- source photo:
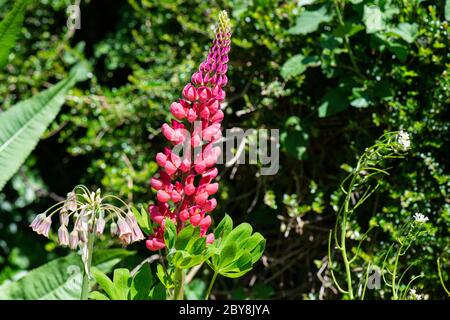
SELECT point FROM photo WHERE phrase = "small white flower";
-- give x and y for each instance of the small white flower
(420, 218)
(413, 295)
(403, 140)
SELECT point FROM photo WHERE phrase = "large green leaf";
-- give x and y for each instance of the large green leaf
(59, 279)
(23, 124)
(373, 19)
(333, 102)
(10, 28)
(297, 64)
(309, 21)
(406, 31)
(142, 283)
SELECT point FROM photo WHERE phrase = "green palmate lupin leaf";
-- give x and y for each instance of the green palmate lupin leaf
(235, 252)
(170, 233)
(23, 124)
(10, 29)
(190, 248)
(224, 227)
(59, 279)
(185, 235)
(165, 278)
(143, 219)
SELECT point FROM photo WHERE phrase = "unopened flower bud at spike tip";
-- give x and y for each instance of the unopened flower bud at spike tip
(224, 25)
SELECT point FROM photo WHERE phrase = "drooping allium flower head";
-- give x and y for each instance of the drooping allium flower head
(185, 184)
(89, 212)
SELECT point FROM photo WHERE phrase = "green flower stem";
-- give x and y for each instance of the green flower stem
(85, 288)
(441, 278)
(342, 246)
(345, 258)
(211, 285)
(394, 275)
(178, 292)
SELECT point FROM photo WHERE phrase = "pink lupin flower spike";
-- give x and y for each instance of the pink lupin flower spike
(178, 198)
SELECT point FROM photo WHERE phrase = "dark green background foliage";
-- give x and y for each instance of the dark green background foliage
(331, 77)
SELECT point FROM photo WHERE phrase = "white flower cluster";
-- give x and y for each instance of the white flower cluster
(420, 218)
(413, 295)
(403, 140)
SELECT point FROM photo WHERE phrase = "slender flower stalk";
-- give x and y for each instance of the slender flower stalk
(371, 163)
(197, 126)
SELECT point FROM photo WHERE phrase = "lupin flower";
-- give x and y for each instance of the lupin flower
(178, 196)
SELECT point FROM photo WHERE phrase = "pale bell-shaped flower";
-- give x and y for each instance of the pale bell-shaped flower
(136, 233)
(100, 226)
(125, 232)
(44, 227)
(63, 236)
(71, 202)
(37, 221)
(64, 218)
(73, 239)
(113, 229)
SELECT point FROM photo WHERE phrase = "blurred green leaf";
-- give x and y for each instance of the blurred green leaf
(335, 101)
(373, 19)
(22, 125)
(195, 290)
(297, 64)
(406, 31)
(309, 21)
(59, 279)
(10, 28)
(294, 138)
